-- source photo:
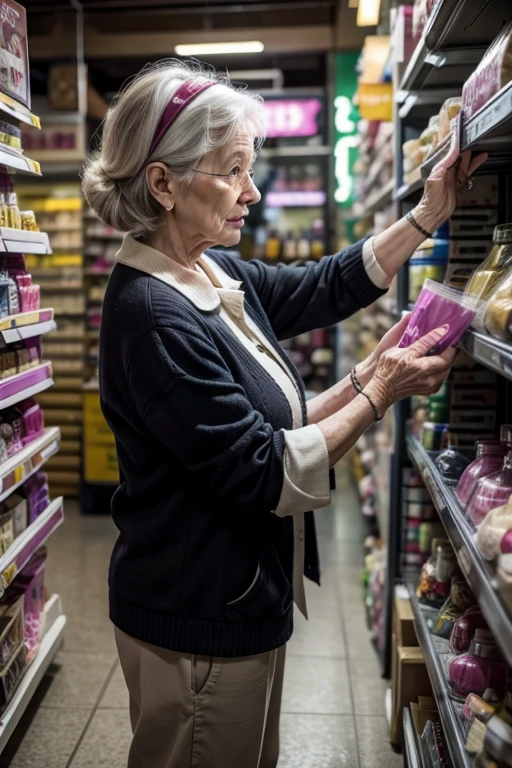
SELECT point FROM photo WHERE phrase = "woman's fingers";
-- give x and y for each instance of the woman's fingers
(477, 162)
(423, 346)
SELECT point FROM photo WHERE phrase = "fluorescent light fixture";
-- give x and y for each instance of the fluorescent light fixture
(368, 13)
(198, 49)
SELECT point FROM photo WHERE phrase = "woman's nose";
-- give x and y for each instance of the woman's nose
(250, 193)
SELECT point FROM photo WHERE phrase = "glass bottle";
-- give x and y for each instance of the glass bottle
(489, 459)
(303, 247)
(317, 239)
(290, 248)
(491, 492)
(498, 315)
(484, 279)
(480, 670)
(273, 248)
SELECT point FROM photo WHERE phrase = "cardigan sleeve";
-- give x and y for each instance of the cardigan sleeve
(188, 399)
(301, 297)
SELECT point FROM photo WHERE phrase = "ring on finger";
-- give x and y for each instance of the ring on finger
(470, 183)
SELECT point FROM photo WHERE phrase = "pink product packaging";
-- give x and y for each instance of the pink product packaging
(37, 494)
(491, 491)
(33, 420)
(30, 583)
(491, 75)
(489, 459)
(439, 305)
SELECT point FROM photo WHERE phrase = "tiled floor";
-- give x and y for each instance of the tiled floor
(333, 708)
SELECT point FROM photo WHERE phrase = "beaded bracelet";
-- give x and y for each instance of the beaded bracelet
(374, 407)
(410, 218)
(355, 381)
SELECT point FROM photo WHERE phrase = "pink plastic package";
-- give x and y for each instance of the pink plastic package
(491, 75)
(439, 305)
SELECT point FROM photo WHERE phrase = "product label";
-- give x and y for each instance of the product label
(14, 72)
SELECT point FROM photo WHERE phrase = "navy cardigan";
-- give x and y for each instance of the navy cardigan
(198, 423)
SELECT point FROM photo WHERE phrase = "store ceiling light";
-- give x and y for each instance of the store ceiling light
(368, 13)
(198, 49)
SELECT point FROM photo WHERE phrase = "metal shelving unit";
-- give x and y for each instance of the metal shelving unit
(413, 753)
(479, 574)
(456, 36)
(449, 714)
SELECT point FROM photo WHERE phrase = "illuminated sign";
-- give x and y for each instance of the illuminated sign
(292, 117)
(346, 118)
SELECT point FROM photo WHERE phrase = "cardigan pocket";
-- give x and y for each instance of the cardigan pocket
(269, 595)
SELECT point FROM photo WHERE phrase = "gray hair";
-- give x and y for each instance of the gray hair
(114, 177)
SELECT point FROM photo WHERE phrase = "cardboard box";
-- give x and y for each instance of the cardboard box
(404, 623)
(409, 680)
(422, 711)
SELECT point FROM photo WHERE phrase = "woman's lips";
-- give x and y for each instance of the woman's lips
(237, 222)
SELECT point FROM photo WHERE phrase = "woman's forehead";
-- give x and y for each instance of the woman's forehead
(242, 143)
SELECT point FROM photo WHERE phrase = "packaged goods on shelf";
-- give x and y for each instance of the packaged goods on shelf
(492, 74)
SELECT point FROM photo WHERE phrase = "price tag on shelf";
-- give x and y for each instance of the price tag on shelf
(19, 473)
(464, 561)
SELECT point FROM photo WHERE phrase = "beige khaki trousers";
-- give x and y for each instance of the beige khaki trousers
(201, 712)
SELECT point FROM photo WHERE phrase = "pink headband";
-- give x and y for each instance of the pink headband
(183, 96)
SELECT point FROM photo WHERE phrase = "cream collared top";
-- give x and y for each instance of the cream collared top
(306, 460)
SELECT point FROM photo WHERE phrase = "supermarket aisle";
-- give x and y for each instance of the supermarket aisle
(333, 712)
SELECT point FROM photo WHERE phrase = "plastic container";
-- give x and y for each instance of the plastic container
(491, 492)
(485, 280)
(479, 670)
(489, 459)
(439, 305)
(498, 313)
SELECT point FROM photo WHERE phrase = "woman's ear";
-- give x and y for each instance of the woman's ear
(160, 182)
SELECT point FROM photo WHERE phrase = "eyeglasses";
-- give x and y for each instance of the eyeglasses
(235, 177)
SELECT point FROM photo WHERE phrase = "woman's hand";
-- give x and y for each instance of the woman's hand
(404, 372)
(366, 369)
(449, 176)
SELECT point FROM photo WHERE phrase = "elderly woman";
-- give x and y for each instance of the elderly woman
(220, 457)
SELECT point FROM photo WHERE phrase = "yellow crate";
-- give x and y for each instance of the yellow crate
(92, 407)
(100, 464)
(97, 432)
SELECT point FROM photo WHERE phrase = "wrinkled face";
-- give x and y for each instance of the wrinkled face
(213, 207)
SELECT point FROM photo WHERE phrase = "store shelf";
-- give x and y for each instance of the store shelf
(478, 572)
(11, 107)
(490, 352)
(28, 542)
(409, 190)
(439, 68)
(455, 28)
(491, 127)
(295, 199)
(411, 741)
(15, 160)
(300, 151)
(26, 325)
(20, 467)
(25, 384)
(19, 241)
(448, 713)
(378, 200)
(54, 623)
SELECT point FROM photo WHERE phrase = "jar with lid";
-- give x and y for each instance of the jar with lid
(489, 459)
(481, 670)
(484, 280)
(491, 492)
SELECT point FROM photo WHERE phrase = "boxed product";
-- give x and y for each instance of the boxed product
(11, 630)
(491, 75)
(16, 506)
(409, 679)
(6, 532)
(11, 675)
(14, 68)
(404, 622)
(476, 222)
(423, 710)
